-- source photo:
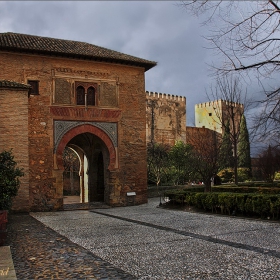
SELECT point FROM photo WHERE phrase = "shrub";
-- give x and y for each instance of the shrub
(198, 188)
(244, 174)
(249, 204)
(277, 176)
(226, 202)
(189, 198)
(212, 201)
(226, 175)
(275, 207)
(9, 179)
(261, 188)
(240, 202)
(176, 195)
(199, 200)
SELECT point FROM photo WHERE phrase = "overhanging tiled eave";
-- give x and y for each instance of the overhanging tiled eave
(13, 85)
(145, 65)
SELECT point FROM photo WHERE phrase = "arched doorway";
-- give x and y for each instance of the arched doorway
(97, 154)
(94, 160)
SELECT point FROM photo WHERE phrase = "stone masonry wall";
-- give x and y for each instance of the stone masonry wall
(165, 118)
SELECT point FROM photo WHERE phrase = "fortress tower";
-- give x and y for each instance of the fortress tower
(214, 114)
(165, 118)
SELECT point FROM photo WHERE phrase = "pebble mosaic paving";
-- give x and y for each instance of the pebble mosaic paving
(154, 243)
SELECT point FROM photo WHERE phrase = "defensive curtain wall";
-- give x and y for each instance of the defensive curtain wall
(84, 97)
(165, 118)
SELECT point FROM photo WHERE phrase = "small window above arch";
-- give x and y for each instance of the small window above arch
(86, 93)
(80, 95)
(91, 96)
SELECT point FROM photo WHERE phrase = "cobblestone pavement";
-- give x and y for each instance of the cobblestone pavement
(41, 253)
(152, 243)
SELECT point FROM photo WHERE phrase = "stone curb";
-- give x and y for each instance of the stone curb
(7, 270)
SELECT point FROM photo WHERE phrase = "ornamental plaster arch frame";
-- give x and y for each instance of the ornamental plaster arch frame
(81, 128)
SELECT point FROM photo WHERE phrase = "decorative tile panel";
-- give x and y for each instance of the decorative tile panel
(108, 94)
(62, 127)
(62, 91)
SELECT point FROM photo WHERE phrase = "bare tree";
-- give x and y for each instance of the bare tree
(229, 110)
(246, 34)
(205, 144)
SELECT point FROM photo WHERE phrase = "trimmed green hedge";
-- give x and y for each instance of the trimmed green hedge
(246, 204)
(275, 184)
(155, 191)
(246, 189)
(179, 195)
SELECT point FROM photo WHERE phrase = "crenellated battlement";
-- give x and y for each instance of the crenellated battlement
(218, 102)
(165, 96)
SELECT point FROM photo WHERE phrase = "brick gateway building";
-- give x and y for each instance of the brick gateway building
(58, 93)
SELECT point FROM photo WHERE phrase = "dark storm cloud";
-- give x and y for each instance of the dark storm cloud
(156, 30)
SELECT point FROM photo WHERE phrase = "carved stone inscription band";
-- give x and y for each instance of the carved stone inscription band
(62, 127)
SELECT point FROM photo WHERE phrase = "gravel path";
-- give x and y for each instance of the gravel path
(154, 243)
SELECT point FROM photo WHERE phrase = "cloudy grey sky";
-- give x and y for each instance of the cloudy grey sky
(161, 31)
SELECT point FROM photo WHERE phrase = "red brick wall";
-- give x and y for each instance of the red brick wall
(45, 179)
(202, 138)
(14, 135)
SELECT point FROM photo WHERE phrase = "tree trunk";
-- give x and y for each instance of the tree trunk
(208, 185)
(235, 164)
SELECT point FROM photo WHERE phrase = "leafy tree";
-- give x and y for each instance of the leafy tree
(269, 163)
(246, 35)
(225, 159)
(243, 148)
(157, 161)
(9, 179)
(180, 159)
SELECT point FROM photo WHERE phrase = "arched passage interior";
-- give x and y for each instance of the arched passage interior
(94, 160)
